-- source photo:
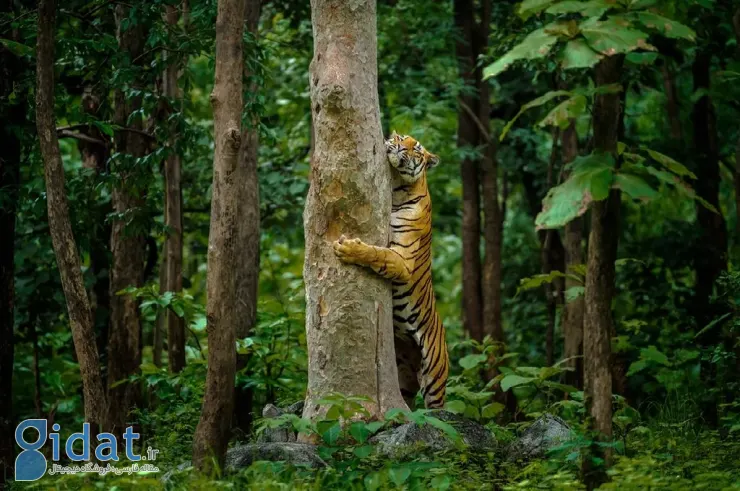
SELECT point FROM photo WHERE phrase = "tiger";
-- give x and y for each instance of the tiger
(421, 348)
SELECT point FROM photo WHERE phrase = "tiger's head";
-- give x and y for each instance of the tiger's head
(408, 157)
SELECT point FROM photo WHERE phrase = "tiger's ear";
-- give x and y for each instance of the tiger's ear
(432, 161)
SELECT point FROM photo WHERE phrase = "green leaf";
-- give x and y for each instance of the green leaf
(642, 58)
(574, 292)
(562, 114)
(531, 7)
(589, 181)
(670, 164)
(593, 8)
(358, 430)
(613, 36)
(514, 380)
(446, 428)
(492, 410)
(363, 451)
(577, 54)
(329, 431)
(472, 361)
(457, 407)
(536, 45)
(399, 475)
(444, 481)
(651, 353)
(533, 103)
(634, 186)
(17, 49)
(536, 281)
(667, 27)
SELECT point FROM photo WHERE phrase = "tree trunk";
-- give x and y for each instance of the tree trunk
(572, 315)
(12, 119)
(711, 257)
(548, 237)
(60, 227)
(736, 28)
(672, 108)
(249, 234)
(128, 248)
(468, 136)
(602, 252)
(173, 216)
(349, 330)
(212, 433)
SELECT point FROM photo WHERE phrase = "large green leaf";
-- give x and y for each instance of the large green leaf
(561, 115)
(534, 103)
(577, 54)
(613, 36)
(634, 186)
(514, 380)
(667, 27)
(592, 8)
(670, 164)
(590, 180)
(536, 45)
(531, 7)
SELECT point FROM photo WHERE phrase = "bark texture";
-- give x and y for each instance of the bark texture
(249, 232)
(128, 249)
(602, 252)
(349, 330)
(212, 433)
(672, 107)
(572, 315)
(468, 135)
(12, 118)
(173, 216)
(65, 248)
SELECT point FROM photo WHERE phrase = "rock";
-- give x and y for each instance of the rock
(410, 436)
(544, 434)
(300, 454)
(278, 435)
(242, 456)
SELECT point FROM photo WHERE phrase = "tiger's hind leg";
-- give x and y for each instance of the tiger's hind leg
(434, 364)
(408, 361)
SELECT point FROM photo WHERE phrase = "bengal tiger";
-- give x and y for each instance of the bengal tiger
(421, 349)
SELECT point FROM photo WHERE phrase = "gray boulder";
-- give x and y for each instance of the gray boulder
(546, 433)
(300, 454)
(279, 435)
(410, 437)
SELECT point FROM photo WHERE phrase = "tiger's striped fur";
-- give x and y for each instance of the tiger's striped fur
(421, 349)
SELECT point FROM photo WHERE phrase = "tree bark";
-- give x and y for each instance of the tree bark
(249, 233)
(736, 29)
(349, 330)
(572, 315)
(468, 136)
(602, 252)
(60, 227)
(212, 433)
(128, 248)
(173, 215)
(12, 119)
(672, 108)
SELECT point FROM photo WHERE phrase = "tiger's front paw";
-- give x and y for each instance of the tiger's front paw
(352, 251)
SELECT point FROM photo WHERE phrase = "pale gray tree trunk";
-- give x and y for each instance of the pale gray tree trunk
(212, 433)
(349, 325)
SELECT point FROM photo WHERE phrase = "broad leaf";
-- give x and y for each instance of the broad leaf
(593, 8)
(533, 103)
(472, 361)
(574, 292)
(492, 410)
(577, 54)
(561, 115)
(670, 164)
(667, 27)
(531, 7)
(634, 186)
(642, 58)
(536, 45)
(514, 380)
(457, 407)
(613, 36)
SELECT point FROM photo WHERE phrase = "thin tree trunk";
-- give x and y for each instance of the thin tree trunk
(12, 117)
(602, 252)
(212, 433)
(249, 234)
(160, 325)
(736, 28)
(65, 249)
(128, 248)
(549, 237)
(468, 136)
(173, 216)
(672, 108)
(572, 315)
(711, 257)
(349, 330)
